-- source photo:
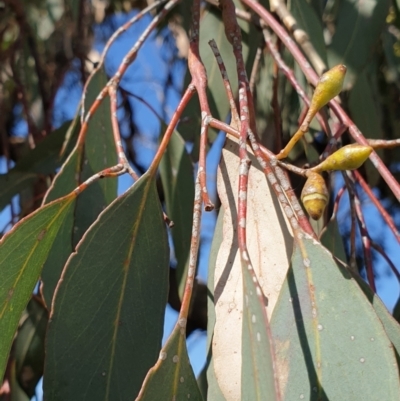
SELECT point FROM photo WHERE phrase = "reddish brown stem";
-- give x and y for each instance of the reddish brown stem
(194, 249)
(199, 81)
(170, 129)
(366, 244)
(117, 136)
(110, 41)
(113, 171)
(380, 250)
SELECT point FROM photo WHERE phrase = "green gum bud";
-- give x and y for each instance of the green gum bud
(348, 157)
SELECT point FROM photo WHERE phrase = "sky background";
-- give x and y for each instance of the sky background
(157, 76)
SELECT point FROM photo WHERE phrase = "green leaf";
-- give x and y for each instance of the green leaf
(106, 326)
(213, 391)
(333, 241)
(172, 377)
(177, 177)
(23, 251)
(65, 182)
(358, 28)
(258, 374)
(318, 6)
(97, 153)
(328, 338)
(58, 255)
(389, 322)
(29, 346)
(100, 153)
(308, 20)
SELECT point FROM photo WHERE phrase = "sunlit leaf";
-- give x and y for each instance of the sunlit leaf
(258, 373)
(269, 244)
(213, 390)
(106, 325)
(391, 325)
(326, 332)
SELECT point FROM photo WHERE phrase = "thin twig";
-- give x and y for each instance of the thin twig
(227, 84)
(379, 249)
(355, 203)
(112, 172)
(255, 68)
(110, 41)
(384, 143)
(199, 81)
(335, 209)
(122, 159)
(388, 219)
(171, 127)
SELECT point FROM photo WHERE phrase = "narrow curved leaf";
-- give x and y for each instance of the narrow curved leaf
(358, 25)
(326, 332)
(176, 170)
(97, 153)
(333, 241)
(172, 377)
(213, 391)
(29, 347)
(258, 373)
(23, 251)
(269, 244)
(106, 325)
(391, 325)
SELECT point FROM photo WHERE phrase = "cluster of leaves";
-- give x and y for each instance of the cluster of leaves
(286, 317)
